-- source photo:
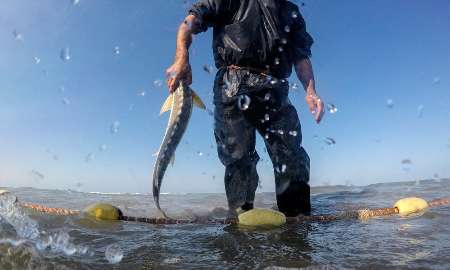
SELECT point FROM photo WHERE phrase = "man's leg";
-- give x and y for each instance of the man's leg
(283, 138)
(235, 138)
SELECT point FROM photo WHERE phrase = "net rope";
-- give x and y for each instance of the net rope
(362, 214)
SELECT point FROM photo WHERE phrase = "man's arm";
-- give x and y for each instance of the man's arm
(305, 74)
(181, 69)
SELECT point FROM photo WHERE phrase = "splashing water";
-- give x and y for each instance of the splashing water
(12, 214)
(113, 254)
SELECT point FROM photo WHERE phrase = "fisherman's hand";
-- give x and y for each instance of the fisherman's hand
(180, 71)
(315, 105)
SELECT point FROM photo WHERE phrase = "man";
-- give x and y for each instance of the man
(256, 43)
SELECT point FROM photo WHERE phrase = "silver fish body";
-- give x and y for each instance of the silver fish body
(181, 110)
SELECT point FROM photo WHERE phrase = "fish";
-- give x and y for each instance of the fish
(180, 104)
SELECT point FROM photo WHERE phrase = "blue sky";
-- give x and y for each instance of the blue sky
(365, 53)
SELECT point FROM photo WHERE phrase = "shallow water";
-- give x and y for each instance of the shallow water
(33, 241)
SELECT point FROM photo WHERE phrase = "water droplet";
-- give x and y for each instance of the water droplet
(37, 175)
(283, 168)
(329, 141)
(273, 81)
(17, 35)
(277, 61)
(208, 69)
(266, 117)
(114, 254)
(89, 157)
(406, 162)
(281, 132)
(267, 97)
(131, 107)
(436, 80)
(157, 83)
(141, 93)
(294, 14)
(287, 29)
(266, 136)
(294, 86)
(390, 103)
(283, 41)
(293, 133)
(331, 108)
(37, 60)
(280, 49)
(199, 153)
(65, 54)
(75, 2)
(102, 147)
(420, 111)
(114, 127)
(116, 50)
(65, 101)
(62, 89)
(244, 102)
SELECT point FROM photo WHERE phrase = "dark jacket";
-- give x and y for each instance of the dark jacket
(264, 34)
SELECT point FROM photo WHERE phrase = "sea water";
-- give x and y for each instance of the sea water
(35, 241)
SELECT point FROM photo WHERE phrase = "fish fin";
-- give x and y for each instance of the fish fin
(198, 101)
(172, 159)
(167, 106)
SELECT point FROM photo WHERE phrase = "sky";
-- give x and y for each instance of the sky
(80, 95)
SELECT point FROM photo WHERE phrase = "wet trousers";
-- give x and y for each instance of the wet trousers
(266, 109)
